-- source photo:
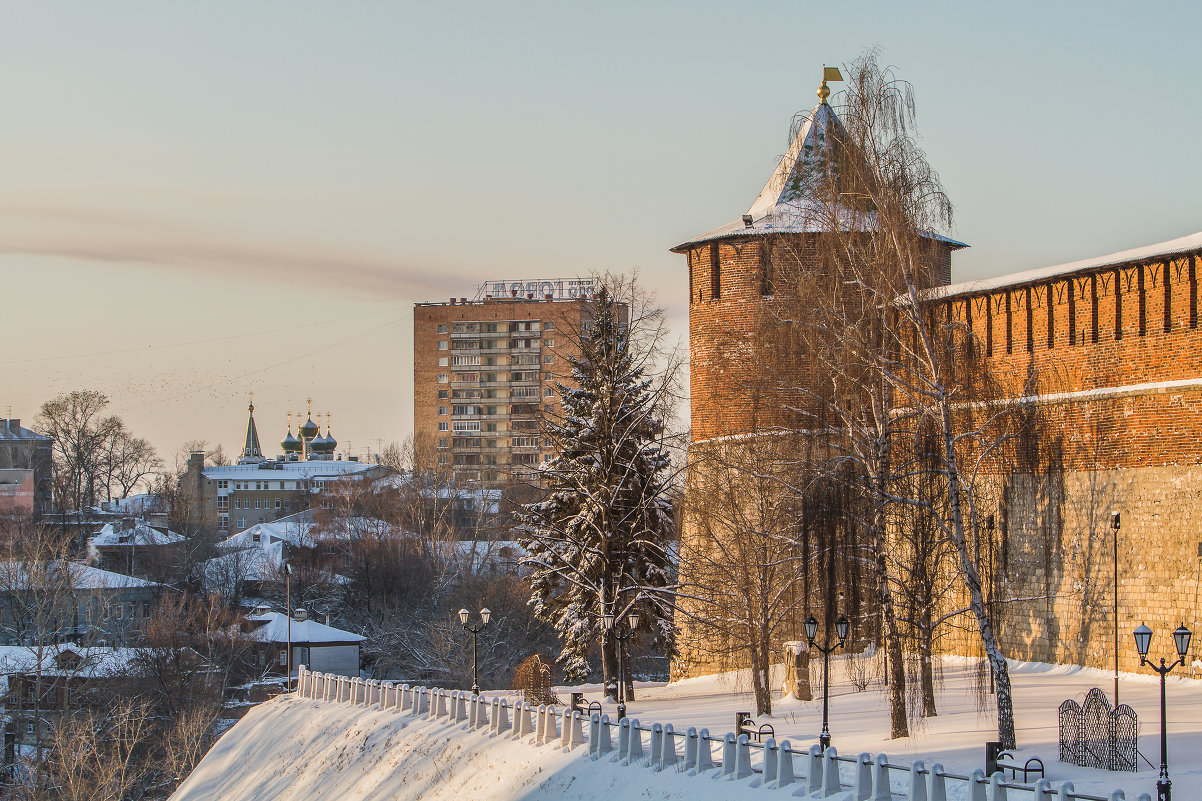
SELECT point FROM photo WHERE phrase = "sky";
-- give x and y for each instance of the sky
(203, 200)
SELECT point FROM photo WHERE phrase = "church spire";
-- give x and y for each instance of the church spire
(251, 451)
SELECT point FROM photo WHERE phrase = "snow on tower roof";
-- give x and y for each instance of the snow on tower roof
(1161, 250)
(787, 204)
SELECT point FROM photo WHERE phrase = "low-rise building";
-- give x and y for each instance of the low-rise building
(318, 646)
(26, 458)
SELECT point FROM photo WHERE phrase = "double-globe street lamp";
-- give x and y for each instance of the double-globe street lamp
(475, 629)
(616, 632)
(811, 626)
(1181, 638)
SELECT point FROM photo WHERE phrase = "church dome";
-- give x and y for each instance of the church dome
(309, 430)
(291, 444)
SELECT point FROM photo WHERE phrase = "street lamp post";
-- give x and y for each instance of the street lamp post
(616, 633)
(475, 629)
(1115, 525)
(288, 609)
(1181, 638)
(811, 626)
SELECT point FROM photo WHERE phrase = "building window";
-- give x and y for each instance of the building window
(442, 344)
(548, 392)
(237, 503)
(549, 342)
(549, 326)
(548, 359)
(277, 503)
(241, 522)
(442, 361)
(444, 443)
(223, 485)
(443, 426)
(465, 361)
(443, 378)
(258, 503)
(442, 328)
(442, 410)
(287, 503)
(442, 458)
(444, 394)
(464, 425)
(223, 504)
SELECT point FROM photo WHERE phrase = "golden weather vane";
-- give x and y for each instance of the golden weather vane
(828, 74)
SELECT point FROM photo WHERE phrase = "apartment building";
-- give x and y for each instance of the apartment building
(484, 373)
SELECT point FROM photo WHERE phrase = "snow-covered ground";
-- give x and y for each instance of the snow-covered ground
(291, 748)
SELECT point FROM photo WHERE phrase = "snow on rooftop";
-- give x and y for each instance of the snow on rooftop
(83, 577)
(138, 534)
(1172, 247)
(274, 628)
(94, 661)
(315, 470)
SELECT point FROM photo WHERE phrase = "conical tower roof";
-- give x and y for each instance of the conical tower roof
(251, 451)
(790, 203)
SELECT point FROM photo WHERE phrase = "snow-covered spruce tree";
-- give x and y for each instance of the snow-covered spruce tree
(599, 541)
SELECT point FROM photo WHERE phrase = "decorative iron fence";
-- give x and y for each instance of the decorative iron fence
(1094, 735)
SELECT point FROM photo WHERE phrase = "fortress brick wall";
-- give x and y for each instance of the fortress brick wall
(1116, 354)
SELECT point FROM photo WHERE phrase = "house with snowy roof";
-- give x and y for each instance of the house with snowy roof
(62, 601)
(318, 646)
(136, 548)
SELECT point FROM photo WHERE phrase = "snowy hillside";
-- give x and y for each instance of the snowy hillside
(296, 748)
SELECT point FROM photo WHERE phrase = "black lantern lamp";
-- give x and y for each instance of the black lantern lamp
(1143, 640)
(632, 620)
(485, 616)
(811, 628)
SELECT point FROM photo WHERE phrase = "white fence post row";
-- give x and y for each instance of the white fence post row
(566, 729)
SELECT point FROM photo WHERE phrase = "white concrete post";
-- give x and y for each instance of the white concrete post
(978, 786)
(1043, 790)
(770, 756)
(830, 772)
(814, 766)
(523, 725)
(728, 754)
(880, 779)
(937, 783)
(594, 734)
(742, 757)
(918, 782)
(705, 757)
(667, 757)
(657, 746)
(502, 722)
(623, 737)
(577, 736)
(863, 787)
(996, 791)
(1116, 795)
(1065, 793)
(461, 707)
(784, 765)
(604, 742)
(540, 724)
(690, 748)
(565, 729)
(634, 744)
(441, 710)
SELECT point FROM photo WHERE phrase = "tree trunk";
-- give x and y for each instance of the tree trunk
(1001, 671)
(609, 667)
(899, 720)
(759, 677)
(927, 669)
